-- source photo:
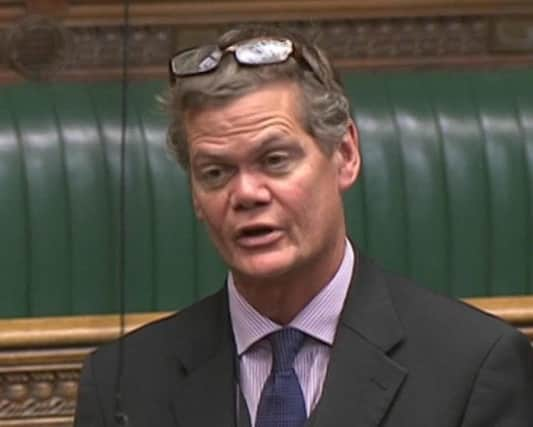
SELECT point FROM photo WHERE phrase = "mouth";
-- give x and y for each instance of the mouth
(257, 236)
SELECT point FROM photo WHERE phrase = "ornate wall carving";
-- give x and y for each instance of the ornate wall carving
(34, 394)
(86, 45)
(402, 38)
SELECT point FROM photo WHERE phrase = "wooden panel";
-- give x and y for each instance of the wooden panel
(85, 39)
(194, 12)
(40, 359)
(68, 330)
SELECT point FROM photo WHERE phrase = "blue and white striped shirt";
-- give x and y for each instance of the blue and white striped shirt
(318, 319)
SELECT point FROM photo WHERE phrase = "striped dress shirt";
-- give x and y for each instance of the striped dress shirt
(318, 320)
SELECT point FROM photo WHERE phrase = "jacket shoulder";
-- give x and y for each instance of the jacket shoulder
(440, 320)
(161, 336)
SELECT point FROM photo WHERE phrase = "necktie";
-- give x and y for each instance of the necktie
(282, 402)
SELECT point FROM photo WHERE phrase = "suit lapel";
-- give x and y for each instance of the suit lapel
(206, 394)
(362, 380)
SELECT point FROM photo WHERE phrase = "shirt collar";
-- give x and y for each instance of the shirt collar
(318, 319)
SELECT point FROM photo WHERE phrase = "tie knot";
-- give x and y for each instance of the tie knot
(286, 344)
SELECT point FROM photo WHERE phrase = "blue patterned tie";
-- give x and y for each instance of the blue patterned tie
(282, 402)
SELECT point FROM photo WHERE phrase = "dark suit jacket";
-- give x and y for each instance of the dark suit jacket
(402, 357)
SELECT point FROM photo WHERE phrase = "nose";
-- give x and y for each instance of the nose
(249, 191)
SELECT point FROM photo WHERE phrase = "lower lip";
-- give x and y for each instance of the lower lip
(255, 242)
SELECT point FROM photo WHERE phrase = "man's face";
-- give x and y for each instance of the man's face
(271, 199)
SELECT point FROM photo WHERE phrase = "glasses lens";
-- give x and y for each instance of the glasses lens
(195, 61)
(258, 52)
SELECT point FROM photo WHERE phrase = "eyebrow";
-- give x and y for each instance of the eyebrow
(207, 157)
(277, 140)
(268, 143)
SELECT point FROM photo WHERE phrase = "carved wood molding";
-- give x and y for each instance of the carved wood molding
(38, 392)
(83, 12)
(84, 40)
(40, 358)
(47, 332)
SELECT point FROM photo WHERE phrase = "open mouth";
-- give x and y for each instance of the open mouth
(256, 231)
(255, 236)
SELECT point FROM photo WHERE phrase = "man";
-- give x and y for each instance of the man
(307, 331)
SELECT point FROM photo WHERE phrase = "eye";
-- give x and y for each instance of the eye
(213, 176)
(276, 161)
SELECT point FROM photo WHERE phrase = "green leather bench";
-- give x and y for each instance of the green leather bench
(446, 194)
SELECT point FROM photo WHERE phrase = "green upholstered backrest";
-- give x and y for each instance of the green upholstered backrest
(445, 195)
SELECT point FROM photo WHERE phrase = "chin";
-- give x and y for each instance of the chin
(264, 266)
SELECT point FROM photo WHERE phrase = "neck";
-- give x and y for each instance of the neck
(282, 297)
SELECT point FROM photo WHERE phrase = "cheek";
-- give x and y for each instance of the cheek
(210, 209)
(306, 201)
(320, 202)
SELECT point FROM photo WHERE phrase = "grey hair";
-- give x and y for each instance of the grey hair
(325, 112)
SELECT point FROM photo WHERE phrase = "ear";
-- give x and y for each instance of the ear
(348, 158)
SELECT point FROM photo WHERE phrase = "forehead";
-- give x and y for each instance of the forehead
(272, 107)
